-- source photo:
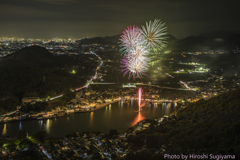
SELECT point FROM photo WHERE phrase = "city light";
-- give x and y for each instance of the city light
(127, 88)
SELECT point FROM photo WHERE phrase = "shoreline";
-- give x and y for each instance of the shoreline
(99, 106)
(105, 104)
(94, 109)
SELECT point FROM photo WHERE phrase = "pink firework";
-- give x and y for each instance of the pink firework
(139, 97)
(134, 64)
(137, 43)
(131, 37)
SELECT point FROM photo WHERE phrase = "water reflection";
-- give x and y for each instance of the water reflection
(40, 122)
(20, 125)
(107, 112)
(138, 118)
(141, 105)
(4, 129)
(175, 104)
(44, 126)
(167, 108)
(91, 118)
(48, 125)
(103, 119)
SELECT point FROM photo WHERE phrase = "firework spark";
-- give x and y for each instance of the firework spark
(137, 43)
(135, 62)
(154, 34)
(130, 37)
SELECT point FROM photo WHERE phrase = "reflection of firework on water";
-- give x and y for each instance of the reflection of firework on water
(137, 44)
(130, 37)
(138, 118)
(154, 34)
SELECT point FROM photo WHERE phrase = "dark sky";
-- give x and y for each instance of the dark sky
(90, 18)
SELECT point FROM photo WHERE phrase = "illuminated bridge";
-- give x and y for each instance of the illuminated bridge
(139, 84)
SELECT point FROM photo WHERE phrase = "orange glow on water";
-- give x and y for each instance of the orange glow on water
(4, 129)
(91, 118)
(138, 118)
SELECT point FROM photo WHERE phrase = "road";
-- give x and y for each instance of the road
(86, 85)
(88, 82)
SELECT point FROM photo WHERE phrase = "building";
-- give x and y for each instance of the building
(108, 100)
(127, 97)
(154, 95)
(61, 113)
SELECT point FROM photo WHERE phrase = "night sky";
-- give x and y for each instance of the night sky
(91, 18)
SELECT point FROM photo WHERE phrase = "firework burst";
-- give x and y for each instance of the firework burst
(130, 37)
(154, 34)
(135, 62)
(137, 43)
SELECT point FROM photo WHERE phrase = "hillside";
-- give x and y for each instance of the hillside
(36, 56)
(205, 127)
(110, 40)
(212, 125)
(28, 56)
(33, 71)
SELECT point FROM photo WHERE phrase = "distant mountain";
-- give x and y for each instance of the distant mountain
(35, 56)
(222, 40)
(35, 72)
(214, 40)
(171, 38)
(218, 34)
(112, 40)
